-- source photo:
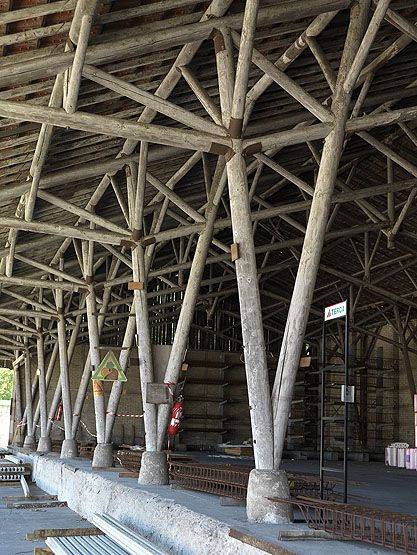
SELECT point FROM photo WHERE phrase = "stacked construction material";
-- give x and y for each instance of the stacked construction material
(401, 455)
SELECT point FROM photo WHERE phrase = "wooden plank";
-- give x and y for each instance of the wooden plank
(47, 505)
(262, 545)
(43, 533)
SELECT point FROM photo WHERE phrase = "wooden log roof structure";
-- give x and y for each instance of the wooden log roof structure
(76, 161)
(112, 133)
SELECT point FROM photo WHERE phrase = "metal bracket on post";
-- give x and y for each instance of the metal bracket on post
(339, 310)
(234, 251)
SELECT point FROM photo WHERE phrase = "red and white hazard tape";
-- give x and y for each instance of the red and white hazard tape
(125, 415)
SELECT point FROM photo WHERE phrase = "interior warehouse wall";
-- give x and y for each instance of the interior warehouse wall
(216, 404)
(405, 403)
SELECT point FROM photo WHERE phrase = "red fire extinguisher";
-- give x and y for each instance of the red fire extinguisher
(176, 416)
(58, 414)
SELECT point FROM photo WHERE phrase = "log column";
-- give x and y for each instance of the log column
(30, 441)
(103, 453)
(250, 311)
(69, 445)
(185, 319)
(153, 467)
(44, 444)
(18, 435)
(299, 309)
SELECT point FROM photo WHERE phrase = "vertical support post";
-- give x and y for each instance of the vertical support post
(44, 444)
(144, 347)
(154, 465)
(116, 390)
(251, 315)
(263, 480)
(136, 206)
(103, 455)
(69, 445)
(346, 406)
(322, 411)
(406, 355)
(49, 371)
(18, 435)
(191, 293)
(30, 441)
(86, 375)
(313, 242)
(390, 202)
(58, 389)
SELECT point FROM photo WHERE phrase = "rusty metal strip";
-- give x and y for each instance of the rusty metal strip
(231, 480)
(360, 523)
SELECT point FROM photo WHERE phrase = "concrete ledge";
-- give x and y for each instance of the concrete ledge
(156, 516)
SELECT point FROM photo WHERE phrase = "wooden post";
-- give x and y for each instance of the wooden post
(117, 387)
(69, 446)
(144, 346)
(49, 371)
(406, 355)
(86, 375)
(190, 297)
(44, 442)
(251, 315)
(30, 441)
(18, 435)
(58, 390)
(299, 309)
(98, 389)
(140, 302)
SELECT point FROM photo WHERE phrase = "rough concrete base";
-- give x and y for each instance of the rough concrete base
(30, 443)
(103, 456)
(153, 468)
(44, 445)
(171, 526)
(262, 485)
(69, 449)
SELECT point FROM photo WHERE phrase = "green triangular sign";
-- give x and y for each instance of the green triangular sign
(109, 370)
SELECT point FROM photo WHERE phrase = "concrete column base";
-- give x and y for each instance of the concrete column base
(18, 442)
(30, 443)
(262, 485)
(103, 456)
(69, 449)
(153, 469)
(44, 444)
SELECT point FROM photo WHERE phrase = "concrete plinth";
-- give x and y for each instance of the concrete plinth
(103, 456)
(69, 449)
(44, 445)
(153, 468)
(30, 443)
(18, 442)
(262, 485)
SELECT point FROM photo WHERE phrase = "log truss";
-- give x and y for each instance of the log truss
(191, 169)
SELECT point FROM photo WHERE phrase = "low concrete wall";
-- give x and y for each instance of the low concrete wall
(4, 422)
(169, 524)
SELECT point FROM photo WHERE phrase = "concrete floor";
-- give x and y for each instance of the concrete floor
(380, 486)
(389, 488)
(15, 523)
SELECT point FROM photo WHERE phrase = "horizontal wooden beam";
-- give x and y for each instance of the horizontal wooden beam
(115, 127)
(317, 131)
(64, 231)
(86, 171)
(150, 41)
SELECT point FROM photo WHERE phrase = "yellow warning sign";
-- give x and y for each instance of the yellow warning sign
(109, 370)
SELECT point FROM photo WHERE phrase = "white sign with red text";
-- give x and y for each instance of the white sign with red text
(335, 311)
